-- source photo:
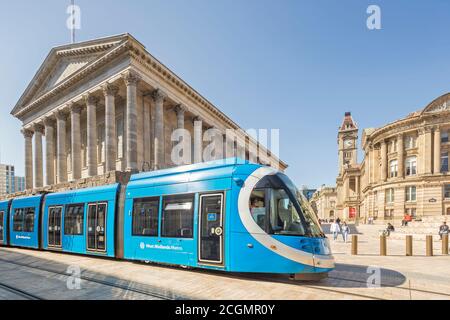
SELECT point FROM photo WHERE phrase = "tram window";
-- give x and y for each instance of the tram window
(23, 220)
(145, 217)
(73, 219)
(258, 207)
(28, 225)
(178, 216)
(284, 218)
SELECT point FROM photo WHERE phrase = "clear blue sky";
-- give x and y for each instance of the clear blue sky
(293, 65)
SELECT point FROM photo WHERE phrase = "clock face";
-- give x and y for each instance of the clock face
(348, 143)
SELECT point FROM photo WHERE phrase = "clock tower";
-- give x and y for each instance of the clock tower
(347, 143)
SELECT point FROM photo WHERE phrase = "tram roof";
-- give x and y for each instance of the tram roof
(210, 165)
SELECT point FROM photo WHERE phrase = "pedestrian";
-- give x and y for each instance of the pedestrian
(335, 229)
(443, 229)
(406, 219)
(338, 220)
(345, 230)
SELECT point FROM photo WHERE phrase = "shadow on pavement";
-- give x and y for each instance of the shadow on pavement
(102, 286)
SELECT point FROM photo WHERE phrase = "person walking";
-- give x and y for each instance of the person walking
(335, 229)
(345, 230)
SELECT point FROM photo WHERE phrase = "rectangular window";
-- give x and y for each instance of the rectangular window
(410, 142)
(444, 136)
(412, 212)
(145, 217)
(73, 219)
(389, 214)
(390, 195)
(393, 169)
(447, 191)
(178, 216)
(411, 166)
(393, 146)
(23, 220)
(444, 162)
(411, 194)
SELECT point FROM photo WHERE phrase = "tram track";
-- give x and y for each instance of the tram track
(19, 292)
(126, 288)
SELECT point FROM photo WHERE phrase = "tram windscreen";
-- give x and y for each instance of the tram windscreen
(278, 207)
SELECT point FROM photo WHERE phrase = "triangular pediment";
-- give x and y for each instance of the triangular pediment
(440, 104)
(64, 62)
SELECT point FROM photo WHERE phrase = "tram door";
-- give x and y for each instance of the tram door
(96, 238)
(211, 229)
(54, 226)
(2, 215)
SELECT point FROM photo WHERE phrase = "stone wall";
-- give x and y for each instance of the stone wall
(97, 181)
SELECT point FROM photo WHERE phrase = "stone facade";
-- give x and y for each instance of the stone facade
(108, 105)
(324, 201)
(405, 167)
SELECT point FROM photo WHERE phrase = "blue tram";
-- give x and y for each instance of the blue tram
(229, 215)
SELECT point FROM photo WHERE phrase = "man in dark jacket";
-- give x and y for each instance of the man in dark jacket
(443, 229)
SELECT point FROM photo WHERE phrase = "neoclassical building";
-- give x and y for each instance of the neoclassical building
(324, 202)
(108, 105)
(405, 167)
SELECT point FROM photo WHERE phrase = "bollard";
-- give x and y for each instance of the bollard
(409, 245)
(429, 245)
(445, 244)
(354, 244)
(383, 245)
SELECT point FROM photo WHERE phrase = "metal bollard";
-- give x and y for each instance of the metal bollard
(354, 244)
(383, 245)
(445, 244)
(429, 245)
(409, 245)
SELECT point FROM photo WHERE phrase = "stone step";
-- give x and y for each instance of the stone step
(417, 231)
(416, 237)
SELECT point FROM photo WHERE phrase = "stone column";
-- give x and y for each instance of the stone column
(75, 115)
(383, 160)
(437, 151)
(198, 139)
(61, 157)
(158, 97)
(401, 156)
(180, 111)
(131, 81)
(110, 93)
(428, 150)
(147, 133)
(38, 156)
(28, 135)
(91, 108)
(49, 151)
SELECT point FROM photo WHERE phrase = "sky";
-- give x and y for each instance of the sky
(297, 66)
